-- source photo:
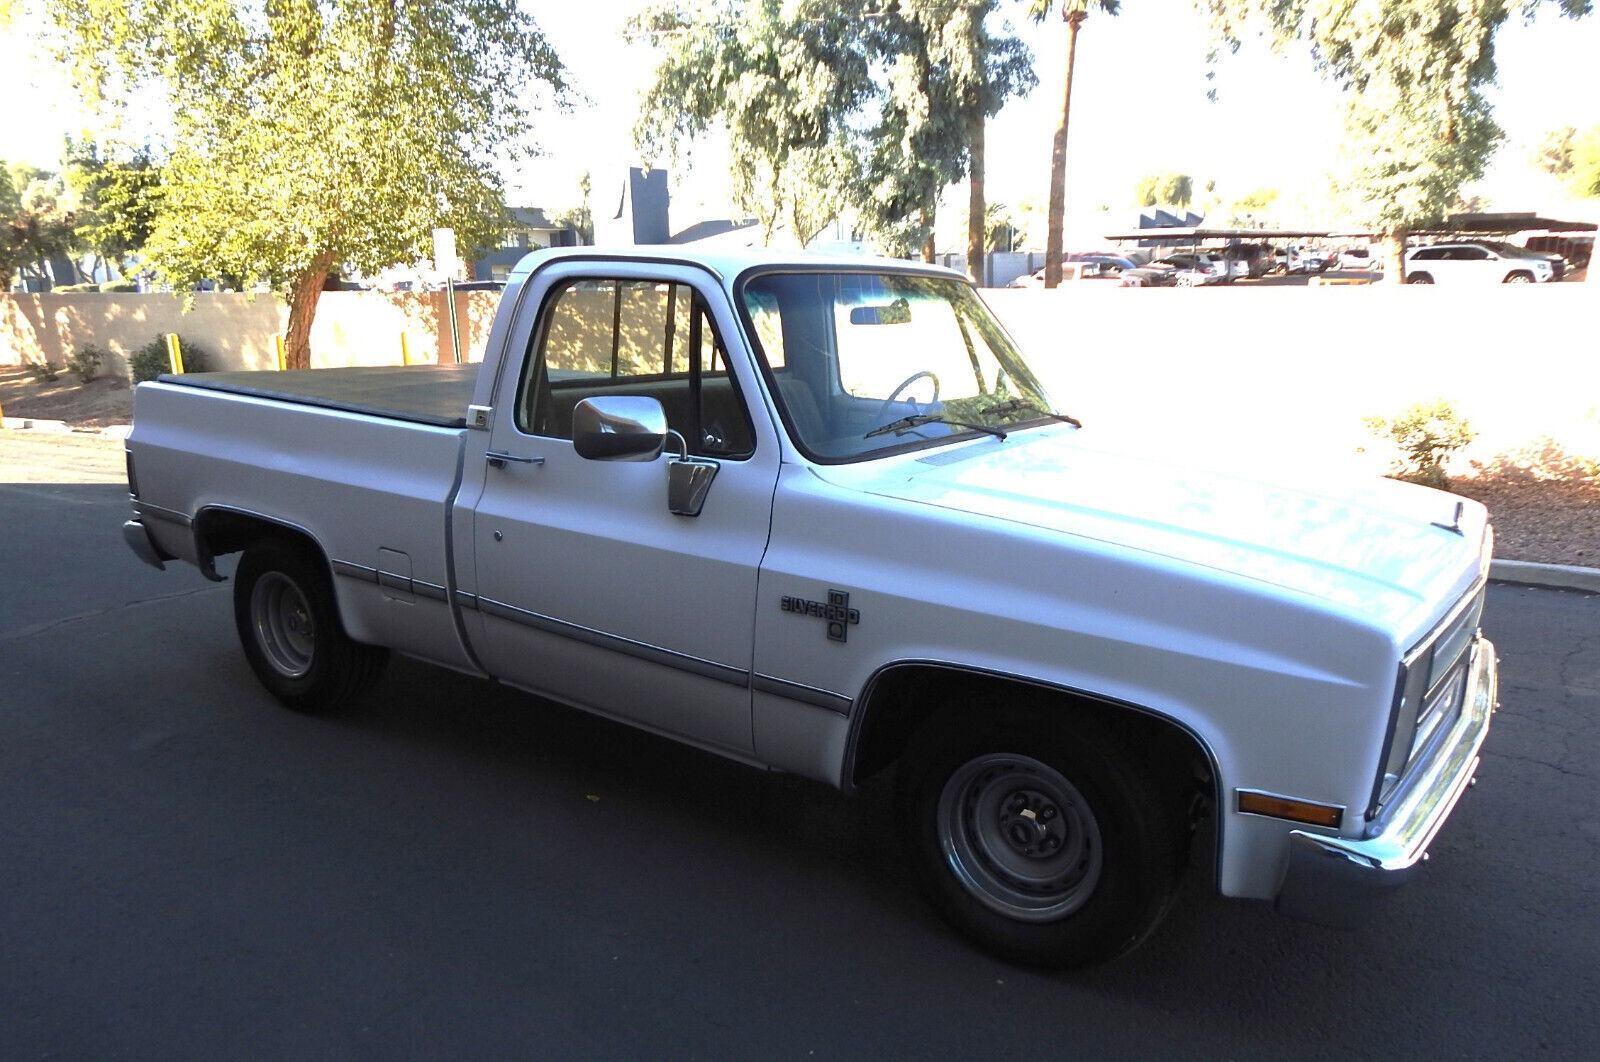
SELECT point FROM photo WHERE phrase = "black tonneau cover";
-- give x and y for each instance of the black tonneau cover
(426, 394)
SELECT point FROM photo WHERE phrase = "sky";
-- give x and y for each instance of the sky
(1139, 106)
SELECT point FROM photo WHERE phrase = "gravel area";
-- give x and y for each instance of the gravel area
(1545, 504)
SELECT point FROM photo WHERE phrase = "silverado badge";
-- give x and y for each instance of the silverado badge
(836, 611)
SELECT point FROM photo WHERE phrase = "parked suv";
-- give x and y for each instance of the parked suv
(1471, 263)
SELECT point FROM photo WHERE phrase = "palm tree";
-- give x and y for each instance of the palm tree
(1073, 13)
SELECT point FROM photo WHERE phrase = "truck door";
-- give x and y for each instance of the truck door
(585, 586)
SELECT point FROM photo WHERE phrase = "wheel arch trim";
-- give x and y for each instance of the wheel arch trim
(205, 559)
(862, 710)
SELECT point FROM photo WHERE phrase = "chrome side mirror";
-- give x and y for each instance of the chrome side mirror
(619, 428)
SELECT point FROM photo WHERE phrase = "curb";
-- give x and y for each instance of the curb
(61, 427)
(1553, 576)
(54, 427)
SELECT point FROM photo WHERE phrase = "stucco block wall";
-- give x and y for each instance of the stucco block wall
(351, 327)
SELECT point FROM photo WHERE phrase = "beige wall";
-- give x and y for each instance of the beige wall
(1288, 370)
(351, 328)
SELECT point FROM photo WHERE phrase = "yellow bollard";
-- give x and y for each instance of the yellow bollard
(283, 359)
(174, 354)
(405, 349)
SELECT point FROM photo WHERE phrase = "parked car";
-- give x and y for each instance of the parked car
(1356, 258)
(1473, 263)
(1149, 276)
(1254, 258)
(1199, 268)
(1558, 264)
(1103, 258)
(1295, 259)
(1071, 271)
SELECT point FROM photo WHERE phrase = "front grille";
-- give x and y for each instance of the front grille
(1431, 695)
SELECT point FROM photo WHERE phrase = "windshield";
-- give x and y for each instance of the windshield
(867, 362)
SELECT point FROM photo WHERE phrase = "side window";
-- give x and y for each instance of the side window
(634, 337)
(1427, 254)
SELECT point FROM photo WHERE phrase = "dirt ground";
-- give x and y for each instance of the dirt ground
(1545, 504)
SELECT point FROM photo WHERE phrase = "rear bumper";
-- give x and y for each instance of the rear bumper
(1336, 880)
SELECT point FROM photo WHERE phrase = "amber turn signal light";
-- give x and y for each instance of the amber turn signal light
(1280, 807)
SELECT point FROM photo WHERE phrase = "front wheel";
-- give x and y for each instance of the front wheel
(288, 621)
(1039, 837)
(1520, 278)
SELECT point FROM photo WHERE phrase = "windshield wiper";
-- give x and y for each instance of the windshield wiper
(917, 420)
(1017, 405)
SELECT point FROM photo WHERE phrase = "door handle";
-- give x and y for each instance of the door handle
(499, 459)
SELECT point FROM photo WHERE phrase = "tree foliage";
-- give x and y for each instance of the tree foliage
(118, 193)
(36, 221)
(1164, 189)
(863, 107)
(313, 134)
(780, 78)
(1417, 124)
(1574, 157)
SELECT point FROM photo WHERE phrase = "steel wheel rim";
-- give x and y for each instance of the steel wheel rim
(284, 628)
(1019, 837)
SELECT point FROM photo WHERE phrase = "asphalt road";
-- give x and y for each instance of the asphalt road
(456, 871)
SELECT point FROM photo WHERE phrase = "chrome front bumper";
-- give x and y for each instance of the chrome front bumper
(1335, 880)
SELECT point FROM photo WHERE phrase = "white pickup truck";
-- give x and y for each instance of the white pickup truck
(819, 516)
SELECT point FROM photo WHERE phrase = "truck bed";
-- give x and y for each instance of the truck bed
(424, 394)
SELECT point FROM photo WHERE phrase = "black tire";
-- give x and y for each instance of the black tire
(1419, 278)
(290, 629)
(1039, 838)
(1519, 277)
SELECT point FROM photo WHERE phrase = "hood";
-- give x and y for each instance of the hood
(1375, 546)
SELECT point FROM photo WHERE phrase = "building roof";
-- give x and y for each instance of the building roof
(536, 218)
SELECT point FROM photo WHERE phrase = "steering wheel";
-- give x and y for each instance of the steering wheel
(907, 382)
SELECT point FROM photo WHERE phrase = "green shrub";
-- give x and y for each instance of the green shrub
(73, 289)
(1427, 435)
(150, 360)
(118, 287)
(43, 370)
(85, 361)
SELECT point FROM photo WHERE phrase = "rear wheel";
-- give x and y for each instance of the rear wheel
(1043, 844)
(1420, 278)
(289, 626)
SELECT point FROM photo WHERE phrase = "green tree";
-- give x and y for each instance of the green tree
(11, 253)
(1574, 157)
(1584, 178)
(118, 198)
(36, 223)
(1164, 189)
(580, 217)
(833, 105)
(1413, 71)
(780, 78)
(316, 134)
(1254, 203)
(1074, 13)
